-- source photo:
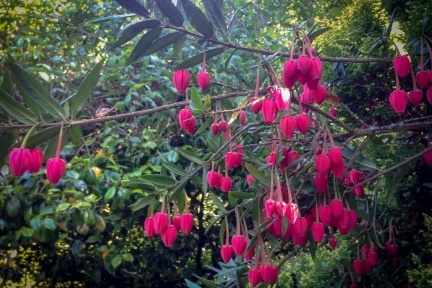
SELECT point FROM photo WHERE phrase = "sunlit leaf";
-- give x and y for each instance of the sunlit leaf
(15, 109)
(198, 58)
(133, 29)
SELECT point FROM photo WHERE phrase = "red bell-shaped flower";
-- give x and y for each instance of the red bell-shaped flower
(325, 215)
(321, 182)
(288, 126)
(269, 111)
(243, 117)
(336, 207)
(332, 242)
(289, 73)
(270, 207)
(214, 127)
(250, 179)
(55, 168)
(422, 79)
(169, 235)
(176, 222)
(293, 156)
(160, 221)
(399, 101)
(214, 179)
(358, 267)
(402, 66)
(292, 213)
(19, 159)
(300, 226)
(319, 94)
(254, 276)
(181, 80)
(415, 97)
(428, 157)
(226, 252)
(282, 98)
(303, 63)
(203, 80)
(317, 231)
(429, 95)
(256, 105)
(269, 273)
(186, 222)
(239, 244)
(333, 112)
(322, 164)
(223, 126)
(233, 160)
(35, 160)
(281, 208)
(149, 227)
(186, 120)
(352, 219)
(354, 176)
(226, 184)
(335, 155)
(339, 169)
(303, 122)
(372, 258)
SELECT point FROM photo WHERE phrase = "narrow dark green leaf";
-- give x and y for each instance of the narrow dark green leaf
(170, 11)
(134, 6)
(361, 162)
(216, 17)
(318, 32)
(208, 283)
(161, 43)
(133, 29)
(175, 169)
(137, 183)
(77, 102)
(229, 59)
(217, 201)
(6, 140)
(7, 84)
(190, 155)
(181, 200)
(190, 284)
(395, 181)
(158, 180)
(198, 19)
(76, 135)
(259, 175)
(145, 41)
(143, 202)
(109, 18)
(34, 93)
(15, 109)
(40, 137)
(198, 58)
(178, 45)
(241, 195)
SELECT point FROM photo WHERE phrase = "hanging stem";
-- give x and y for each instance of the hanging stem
(238, 226)
(226, 231)
(421, 55)
(23, 143)
(397, 82)
(59, 142)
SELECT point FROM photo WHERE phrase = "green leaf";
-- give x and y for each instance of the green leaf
(196, 99)
(133, 29)
(361, 162)
(50, 224)
(170, 11)
(217, 201)
(241, 195)
(175, 169)
(13, 206)
(34, 94)
(216, 18)
(26, 232)
(110, 193)
(7, 83)
(181, 199)
(178, 45)
(127, 257)
(395, 181)
(190, 284)
(94, 239)
(76, 135)
(161, 43)
(6, 140)
(40, 137)
(198, 58)
(52, 145)
(158, 180)
(137, 183)
(189, 155)
(143, 202)
(110, 18)
(259, 175)
(145, 41)
(15, 109)
(77, 102)
(63, 207)
(318, 32)
(208, 283)
(117, 260)
(134, 6)
(198, 19)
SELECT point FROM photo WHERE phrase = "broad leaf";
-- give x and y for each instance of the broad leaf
(77, 102)
(40, 137)
(241, 195)
(161, 43)
(145, 41)
(178, 45)
(259, 175)
(198, 19)
(318, 32)
(190, 155)
(196, 100)
(143, 202)
(158, 180)
(216, 17)
(170, 11)
(34, 94)
(198, 58)
(175, 169)
(361, 162)
(134, 6)
(133, 29)
(15, 109)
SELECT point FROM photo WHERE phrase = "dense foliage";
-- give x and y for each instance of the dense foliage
(99, 75)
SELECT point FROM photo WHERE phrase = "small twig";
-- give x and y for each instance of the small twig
(353, 115)
(358, 151)
(406, 161)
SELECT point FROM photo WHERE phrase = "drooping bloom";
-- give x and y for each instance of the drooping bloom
(203, 80)
(55, 168)
(186, 120)
(19, 161)
(402, 66)
(35, 160)
(181, 80)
